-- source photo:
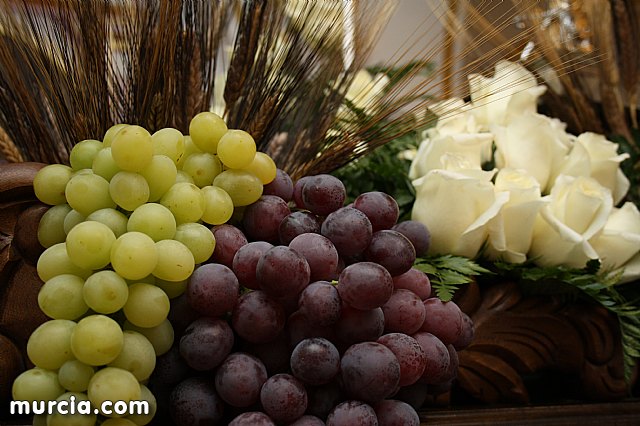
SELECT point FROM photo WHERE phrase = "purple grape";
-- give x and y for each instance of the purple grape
(437, 366)
(415, 395)
(315, 361)
(370, 371)
(258, 318)
(245, 262)
(274, 354)
(170, 368)
(454, 363)
(414, 280)
(443, 319)
(410, 355)
(297, 191)
(213, 290)
(381, 209)
(281, 185)
(252, 418)
(181, 314)
(300, 327)
(392, 250)
(466, 337)
(323, 194)
(349, 230)
(239, 379)
(307, 420)
(320, 301)
(322, 399)
(282, 271)
(296, 223)
(206, 342)
(228, 240)
(194, 402)
(391, 412)
(261, 220)
(404, 312)
(352, 413)
(365, 285)
(417, 233)
(355, 325)
(283, 398)
(320, 253)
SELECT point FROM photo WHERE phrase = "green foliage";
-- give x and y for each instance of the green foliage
(447, 273)
(631, 166)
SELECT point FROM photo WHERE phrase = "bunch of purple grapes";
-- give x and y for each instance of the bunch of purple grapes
(309, 313)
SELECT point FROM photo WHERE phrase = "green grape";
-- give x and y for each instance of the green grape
(118, 421)
(65, 417)
(184, 177)
(61, 297)
(236, 149)
(50, 182)
(169, 142)
(72, 218)
(36, 384)
(83, 153)
(89, 244)
(137, 356)
(263, 167)
(153, 219)
(104, 165)
(132, 148)
(144, 419)
(113, 384)
(49, 346)
(111, 133)
(198, 238)
(160, 174)
(134, 255)
(189, 148)
(105, 292)
(218, 205)
(202, 167)
(175, 261)
(186, 202)
(206, 129)
(75, 375)
(147, 305)
(243, 187)
(88, 192)
(129, 190)
(96, 340)
(55, 261)
(172, 288)
(51, 226)
(39, 420)
(149, 279)
(114, 219)
(160, 336)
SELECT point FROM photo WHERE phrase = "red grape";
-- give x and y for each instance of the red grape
(315, 361)
(252, 418)
(239, 379)
(404, 312)
(443, 319)
(228, 240)
(352, 413)
(320, 301)
(261, 220)
(282, 271)
(365, 285)
(320, 253)
(381, 209)
(466, 337)
(323, 194)
(417, 233)
(213, 290)
(307, 420)
(297, 191)
(206, 342)
(414, 280)
(281, 185)
(396, 413)
(245, 262)
(283, 398)
(296, 223)
(410, 355)
(392, 250)
(194, 402)
(437, 366)
(349, 230)
(258, 318)
(356, 325)
(370, 371)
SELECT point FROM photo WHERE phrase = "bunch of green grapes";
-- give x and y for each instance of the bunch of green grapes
(130, 220)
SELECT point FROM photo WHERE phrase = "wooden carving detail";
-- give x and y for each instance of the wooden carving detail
(516, 336)
(20, 213)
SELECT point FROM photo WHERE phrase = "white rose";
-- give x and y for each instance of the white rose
(475, 148)
(456, 208)
(454, 116)
(365, 89)
(511, 92)
(510, 232)
(578, 209)
(593, 155)
(534, 143)
(619, 240)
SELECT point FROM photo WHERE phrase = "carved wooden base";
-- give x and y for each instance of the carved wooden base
(518, 337)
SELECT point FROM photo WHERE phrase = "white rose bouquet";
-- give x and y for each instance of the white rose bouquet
(550, 197)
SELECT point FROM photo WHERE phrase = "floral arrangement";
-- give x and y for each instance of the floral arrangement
(547, 196)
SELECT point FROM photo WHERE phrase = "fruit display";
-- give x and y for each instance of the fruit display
(189, 271)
